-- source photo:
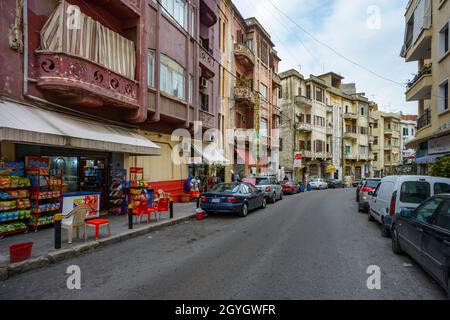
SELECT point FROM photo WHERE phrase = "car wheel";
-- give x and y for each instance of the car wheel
(264, 203)
(385, 232)
(371, 219)
(274, 198)
(395, 243)
(244, 211)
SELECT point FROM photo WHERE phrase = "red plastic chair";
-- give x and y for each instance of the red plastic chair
(162, 207)
(141, 210)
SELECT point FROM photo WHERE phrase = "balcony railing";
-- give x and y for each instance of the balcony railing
(207, 63)
(244, 94)
(424, 120)
(303, 126)
(276, 79)
(426, 70)
(81, 82)
(303, 101)
(244, 54)
(351, 136)
(350, 116)
(207, 119)
(351, 156)
(329, 131)
(307, 153)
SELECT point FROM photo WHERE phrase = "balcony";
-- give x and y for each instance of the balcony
(244, 55)
(330, 108)
(207, 63)
(208, 9)
(79, 82)
(351, 136)
(303, 101)
(244, 95)
(303, 127)
(424, 120)
(276, 80)
(420, 87)
(329, 155)
(207, 119)
(421, 49)
(388, 147)
(372, 120)
(307, 154)
(351, 156)
(329, 131)
(124, 9)
(350, 116)
(371, 139)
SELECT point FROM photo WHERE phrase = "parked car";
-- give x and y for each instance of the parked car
(290, 187)
(271, 188)
(356, 183)
(397, 193)
(358, 188)
(318, 184)
(424, 234)
(335, 183)
(233, 197)
(363, 197)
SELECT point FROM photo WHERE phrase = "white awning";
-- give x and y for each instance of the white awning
(32, 125)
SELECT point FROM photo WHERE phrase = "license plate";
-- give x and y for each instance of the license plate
(215, 200)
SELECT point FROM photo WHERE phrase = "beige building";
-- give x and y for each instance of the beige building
(386, 147)
(427, 44)
(328, 125)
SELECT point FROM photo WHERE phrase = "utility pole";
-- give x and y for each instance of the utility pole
(343, 147)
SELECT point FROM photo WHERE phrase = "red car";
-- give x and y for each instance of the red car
(290, 187)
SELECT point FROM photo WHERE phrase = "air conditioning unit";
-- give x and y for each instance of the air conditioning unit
(203, 83)
(210, 139)
(186, 147)
(298, 114)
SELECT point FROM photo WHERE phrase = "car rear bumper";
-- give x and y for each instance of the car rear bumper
(222, 207)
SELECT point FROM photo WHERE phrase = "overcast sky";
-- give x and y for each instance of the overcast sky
(368, 32)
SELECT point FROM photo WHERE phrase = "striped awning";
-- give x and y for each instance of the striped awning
(31, 125)
(70, 31)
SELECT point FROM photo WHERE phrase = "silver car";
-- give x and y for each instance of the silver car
(363, 195)
(271, 188)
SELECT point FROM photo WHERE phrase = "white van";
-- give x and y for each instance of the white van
(397, 193)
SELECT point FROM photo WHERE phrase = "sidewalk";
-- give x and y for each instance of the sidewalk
(43, 240)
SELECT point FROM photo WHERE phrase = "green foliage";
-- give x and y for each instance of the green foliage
(441, 168)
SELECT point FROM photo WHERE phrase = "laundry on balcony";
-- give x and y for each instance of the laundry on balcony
(88, 39)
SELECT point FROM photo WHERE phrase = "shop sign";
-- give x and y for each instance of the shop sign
(12, 169)
(439, 145)
(37, 162)
(137, 170)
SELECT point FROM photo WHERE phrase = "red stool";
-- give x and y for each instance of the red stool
(97, 223)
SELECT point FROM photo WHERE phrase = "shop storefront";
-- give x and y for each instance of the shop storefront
(86, 153)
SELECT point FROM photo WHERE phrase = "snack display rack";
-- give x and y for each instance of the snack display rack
(138, 188)
(14, 205)
(46, 196)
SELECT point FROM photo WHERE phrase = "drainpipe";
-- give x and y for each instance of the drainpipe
(187, 74)
(141, 114)
(25, 47)
(196, 63)
(157, 116)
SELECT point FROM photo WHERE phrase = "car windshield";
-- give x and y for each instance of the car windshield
(415, 191)
(226, 187)
(315, 180)
(372, 183)
(262, 181)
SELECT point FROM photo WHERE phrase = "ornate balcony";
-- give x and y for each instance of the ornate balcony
(329, 131)
(276, 80)
(303, 101)
(207, 64)
(78, 82)
(207, 119)
(244, 95)
(307, 153)
(303, 127)
(244, 55)
(350, 116)
(330, 108)
(351, 136)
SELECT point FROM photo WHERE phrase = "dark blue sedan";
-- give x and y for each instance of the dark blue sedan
(424, 234)
(233, 197)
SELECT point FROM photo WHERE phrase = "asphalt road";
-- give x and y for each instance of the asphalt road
(308, 246)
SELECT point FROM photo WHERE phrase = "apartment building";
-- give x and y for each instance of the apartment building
(157, 73)
(387, 143)
(426, 43)
(408, 128)
(249, 88)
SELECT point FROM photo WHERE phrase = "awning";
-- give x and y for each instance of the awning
(430, 158)
(211, 154)
(32, 125)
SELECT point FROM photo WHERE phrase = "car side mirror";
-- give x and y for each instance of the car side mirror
(407, 213)
(371, 193)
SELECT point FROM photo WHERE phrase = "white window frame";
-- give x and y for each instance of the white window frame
(151, 68)
(177, 11)
(441, 41)
(172, 77)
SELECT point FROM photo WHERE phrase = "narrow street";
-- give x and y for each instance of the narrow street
(308, 246)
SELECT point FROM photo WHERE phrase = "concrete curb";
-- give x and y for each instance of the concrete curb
(57, 256)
